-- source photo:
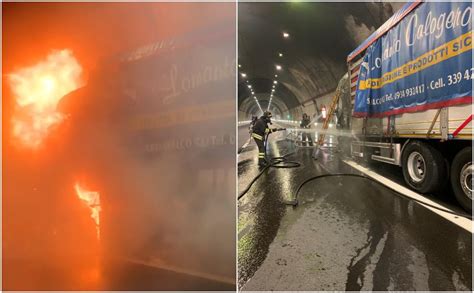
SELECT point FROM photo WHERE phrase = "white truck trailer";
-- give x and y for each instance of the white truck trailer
(410, 91)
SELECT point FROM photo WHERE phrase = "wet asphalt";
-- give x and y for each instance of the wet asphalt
(113, 275)
(129, 276)
(347, 233)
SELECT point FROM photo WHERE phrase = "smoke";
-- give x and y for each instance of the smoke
(359, 32)
(167, 188)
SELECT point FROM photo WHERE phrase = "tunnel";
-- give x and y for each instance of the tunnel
(330, 197)
(312, 56)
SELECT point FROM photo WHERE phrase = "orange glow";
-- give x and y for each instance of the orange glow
(92, 199)
(37, 90)
(91, 275)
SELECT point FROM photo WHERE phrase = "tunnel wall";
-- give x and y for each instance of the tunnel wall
(314, 60)
(242, 116)
(310, 107)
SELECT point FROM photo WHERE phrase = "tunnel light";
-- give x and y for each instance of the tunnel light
(276, 75)
(286, 35)
(243, 75)
(331, 125)
(273, 90)
(258, 104)
(249, 86)
(275, 82)
(278, 67)
(247, 81)
(280, 54)
(240, 65)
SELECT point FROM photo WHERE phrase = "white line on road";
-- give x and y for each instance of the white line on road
(160, 265)
(457, 220)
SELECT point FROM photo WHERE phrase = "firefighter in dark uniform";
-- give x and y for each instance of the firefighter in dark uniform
(252, 123)
(260, 131)
(306, 124)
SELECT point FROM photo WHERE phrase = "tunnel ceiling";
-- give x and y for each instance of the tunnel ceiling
(321, 35)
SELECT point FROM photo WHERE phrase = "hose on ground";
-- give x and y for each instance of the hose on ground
(294, 202)
(276, 162)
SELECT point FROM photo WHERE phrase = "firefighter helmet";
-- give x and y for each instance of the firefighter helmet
(267, 114)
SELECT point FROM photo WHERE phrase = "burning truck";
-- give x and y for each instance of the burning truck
(109, 184)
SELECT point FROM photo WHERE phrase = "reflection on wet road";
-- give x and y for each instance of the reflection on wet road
(348, 233)
(112, 275)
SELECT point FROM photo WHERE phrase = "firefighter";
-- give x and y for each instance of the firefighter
(252, 123)
(306, 124)
(259, 134)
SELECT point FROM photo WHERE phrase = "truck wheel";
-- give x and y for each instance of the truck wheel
(461, 178)
(424, 168)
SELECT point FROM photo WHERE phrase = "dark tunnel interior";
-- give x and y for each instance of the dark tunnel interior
(313, 56)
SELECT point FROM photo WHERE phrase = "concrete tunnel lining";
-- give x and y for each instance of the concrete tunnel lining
(313, 58)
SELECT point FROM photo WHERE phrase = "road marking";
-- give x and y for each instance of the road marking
(160, 265)
(457, 220)
(323, 167)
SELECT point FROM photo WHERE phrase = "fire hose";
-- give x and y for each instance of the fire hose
(283, 162)
(276, 162)
(295, 201)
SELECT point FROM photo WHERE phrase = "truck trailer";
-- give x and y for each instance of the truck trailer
(409, 96)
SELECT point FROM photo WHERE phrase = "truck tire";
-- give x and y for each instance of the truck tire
(424, 168)
(461, 177)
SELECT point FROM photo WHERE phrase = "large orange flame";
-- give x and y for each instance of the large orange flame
(92, 199)
(37, 90)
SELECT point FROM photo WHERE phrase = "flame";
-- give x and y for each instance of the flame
(37, 91)
(92, 199)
